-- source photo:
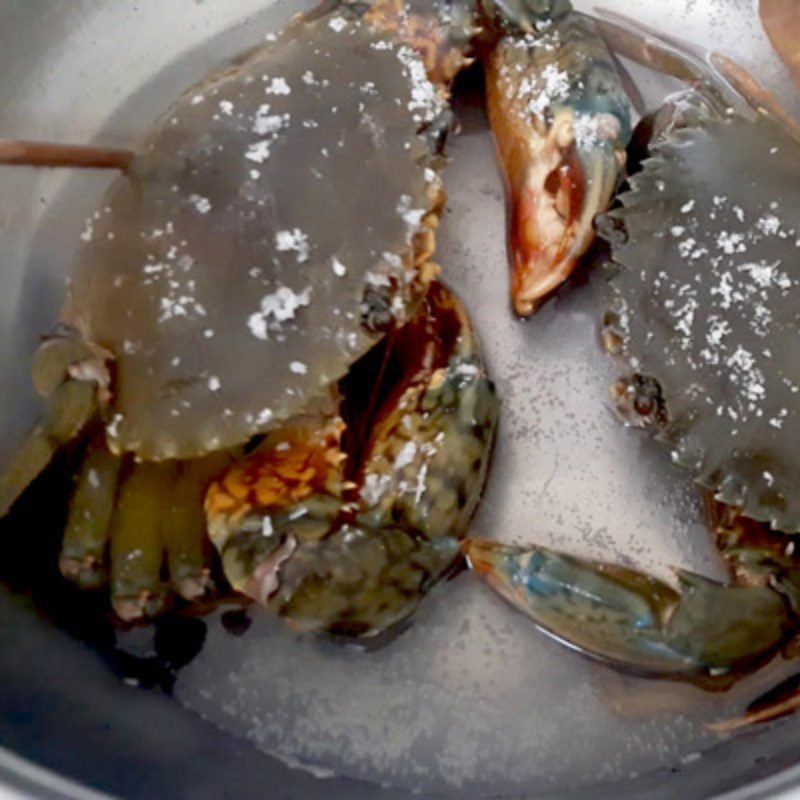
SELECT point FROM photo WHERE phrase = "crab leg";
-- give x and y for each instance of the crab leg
(648, 47)
(778, 702)
(83, 549)
(702, 631)
(184, 528)
(48, 154)
(561, 122)
(172, 525)
(137, 547)
(720, 81)
(69, 409)
(73, 378)
(184, 539)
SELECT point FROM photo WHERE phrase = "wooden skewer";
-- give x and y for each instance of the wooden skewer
(47, 154)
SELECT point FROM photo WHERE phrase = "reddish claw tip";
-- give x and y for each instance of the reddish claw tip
(542, 234)
(481, 555)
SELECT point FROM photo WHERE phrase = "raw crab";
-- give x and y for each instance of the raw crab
(705, 298)
(704, 312)
(256, 311)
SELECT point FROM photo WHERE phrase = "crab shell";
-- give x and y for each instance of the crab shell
(262, 242)
(706, 300)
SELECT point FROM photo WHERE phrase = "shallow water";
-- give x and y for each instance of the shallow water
(471, 697)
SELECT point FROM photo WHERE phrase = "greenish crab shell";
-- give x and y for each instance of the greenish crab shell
(706, 301)
(262, 242)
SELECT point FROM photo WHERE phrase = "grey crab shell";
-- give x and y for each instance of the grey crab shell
(706, 300)
(228, 273)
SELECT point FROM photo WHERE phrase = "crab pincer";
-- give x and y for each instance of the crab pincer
(561, 122)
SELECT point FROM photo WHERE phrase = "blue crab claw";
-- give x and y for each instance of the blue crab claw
(704, 630)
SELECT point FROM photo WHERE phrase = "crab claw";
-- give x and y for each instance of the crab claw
(703, 631)
(342, 526)
(554, 202)
(561, 122)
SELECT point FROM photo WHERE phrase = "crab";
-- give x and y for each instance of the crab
(256, 343)
(703, 313)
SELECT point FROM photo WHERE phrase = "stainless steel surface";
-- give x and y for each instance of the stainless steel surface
(565, 474)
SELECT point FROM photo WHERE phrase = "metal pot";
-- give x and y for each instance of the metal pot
(98, 68)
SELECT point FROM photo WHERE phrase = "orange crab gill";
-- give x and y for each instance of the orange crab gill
(288, 466)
